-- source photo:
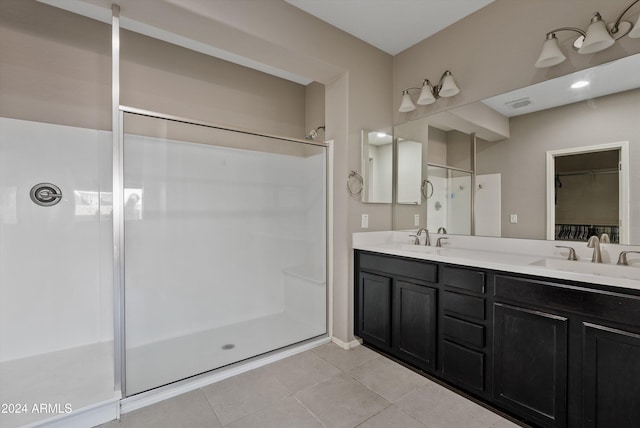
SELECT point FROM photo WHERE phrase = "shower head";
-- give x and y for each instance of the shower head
(313, 133)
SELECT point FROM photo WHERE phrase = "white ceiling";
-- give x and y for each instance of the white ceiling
(390, 25)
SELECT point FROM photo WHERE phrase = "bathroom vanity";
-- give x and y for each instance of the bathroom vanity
(547, 346)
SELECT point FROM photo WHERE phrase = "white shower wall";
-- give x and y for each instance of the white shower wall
(55, 262)
(212, 233)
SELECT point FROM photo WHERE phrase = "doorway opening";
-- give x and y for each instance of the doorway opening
(587, 193)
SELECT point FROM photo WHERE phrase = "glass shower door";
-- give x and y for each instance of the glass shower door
(224, 247)
(449, 205)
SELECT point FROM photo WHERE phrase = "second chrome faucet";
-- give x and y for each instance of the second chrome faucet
(427, 240)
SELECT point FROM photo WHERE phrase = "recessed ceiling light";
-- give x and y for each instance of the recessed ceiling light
(580, 84)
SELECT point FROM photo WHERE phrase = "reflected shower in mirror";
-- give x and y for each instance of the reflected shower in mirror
(449, 205)
(377, 166)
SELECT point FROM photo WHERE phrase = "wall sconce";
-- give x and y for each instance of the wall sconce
(599, 36)
(428, 93)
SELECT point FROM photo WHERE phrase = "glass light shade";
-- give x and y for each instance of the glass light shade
(635, 31)
(551, 54)
(406, 105)
(449, 87)
(598, 37)
(426, 94)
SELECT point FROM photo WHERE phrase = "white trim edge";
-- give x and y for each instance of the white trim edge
(346, 345)
(89, 416)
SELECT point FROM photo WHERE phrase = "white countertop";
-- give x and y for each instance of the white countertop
(531, 257)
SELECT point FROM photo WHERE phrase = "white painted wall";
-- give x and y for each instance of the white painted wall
(55, 262)
(488, 204)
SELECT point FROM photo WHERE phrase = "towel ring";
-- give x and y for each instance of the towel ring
(360, 180)
(423, 189)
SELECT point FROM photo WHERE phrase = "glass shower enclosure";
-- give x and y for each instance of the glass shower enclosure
(449, 199)
(224, 246)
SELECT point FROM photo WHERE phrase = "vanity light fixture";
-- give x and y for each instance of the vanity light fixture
(599, 36)
(429, 93)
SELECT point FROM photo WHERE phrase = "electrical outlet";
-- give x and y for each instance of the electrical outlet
(416, 219)
(513, 218)
(365, 221)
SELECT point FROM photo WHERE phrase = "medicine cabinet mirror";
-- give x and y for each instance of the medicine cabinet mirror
(377, 167)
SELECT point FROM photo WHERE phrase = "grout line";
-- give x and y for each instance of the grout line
(308, 410)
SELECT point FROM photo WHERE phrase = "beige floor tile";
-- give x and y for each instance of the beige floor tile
(286, 413)
(438, 407)
(506, 423)
(244, 394)
(341, 401)
(392, 416)
(190, 410)
(389, 379)
(345, 359)
(301, 371)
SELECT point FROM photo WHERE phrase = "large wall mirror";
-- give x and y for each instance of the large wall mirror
(555, 160)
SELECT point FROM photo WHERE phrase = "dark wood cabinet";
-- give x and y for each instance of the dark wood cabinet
(611, 377)
(530, 363)
(463, 347)
(397, 309)
(553, 353)
(374, 306)
(415, 323)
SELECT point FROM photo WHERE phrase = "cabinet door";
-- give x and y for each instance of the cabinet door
(530, 364)
(611, 377)
(415, 324)
(374, 309)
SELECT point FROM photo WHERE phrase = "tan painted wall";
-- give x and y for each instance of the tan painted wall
(493, 51)
(56, 67)
(314, 108)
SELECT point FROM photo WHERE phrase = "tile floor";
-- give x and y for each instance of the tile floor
(324, 387)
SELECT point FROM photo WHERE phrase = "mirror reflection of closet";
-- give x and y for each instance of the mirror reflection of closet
(377, 167)
(587, 195)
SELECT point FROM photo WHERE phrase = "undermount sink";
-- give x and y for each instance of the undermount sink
(586, 267)
(421, 248)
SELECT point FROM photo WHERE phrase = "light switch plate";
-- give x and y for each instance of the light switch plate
(365, 221)
(513, 218)
(416, 219)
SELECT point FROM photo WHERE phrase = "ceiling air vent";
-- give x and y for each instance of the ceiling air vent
(516, 104)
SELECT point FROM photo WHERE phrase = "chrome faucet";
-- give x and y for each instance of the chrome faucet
(442, 230)
(572, 252)
(594, 242)
(622, 258)
(427, 241)
(439, 241)
(604, 239)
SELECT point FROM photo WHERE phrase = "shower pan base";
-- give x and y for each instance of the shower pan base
(161, 363)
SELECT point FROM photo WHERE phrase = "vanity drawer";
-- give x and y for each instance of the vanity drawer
(464, 305)
(603, 304)
(465, 279)
(463, 331)
(401, 267)
(463, 365)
